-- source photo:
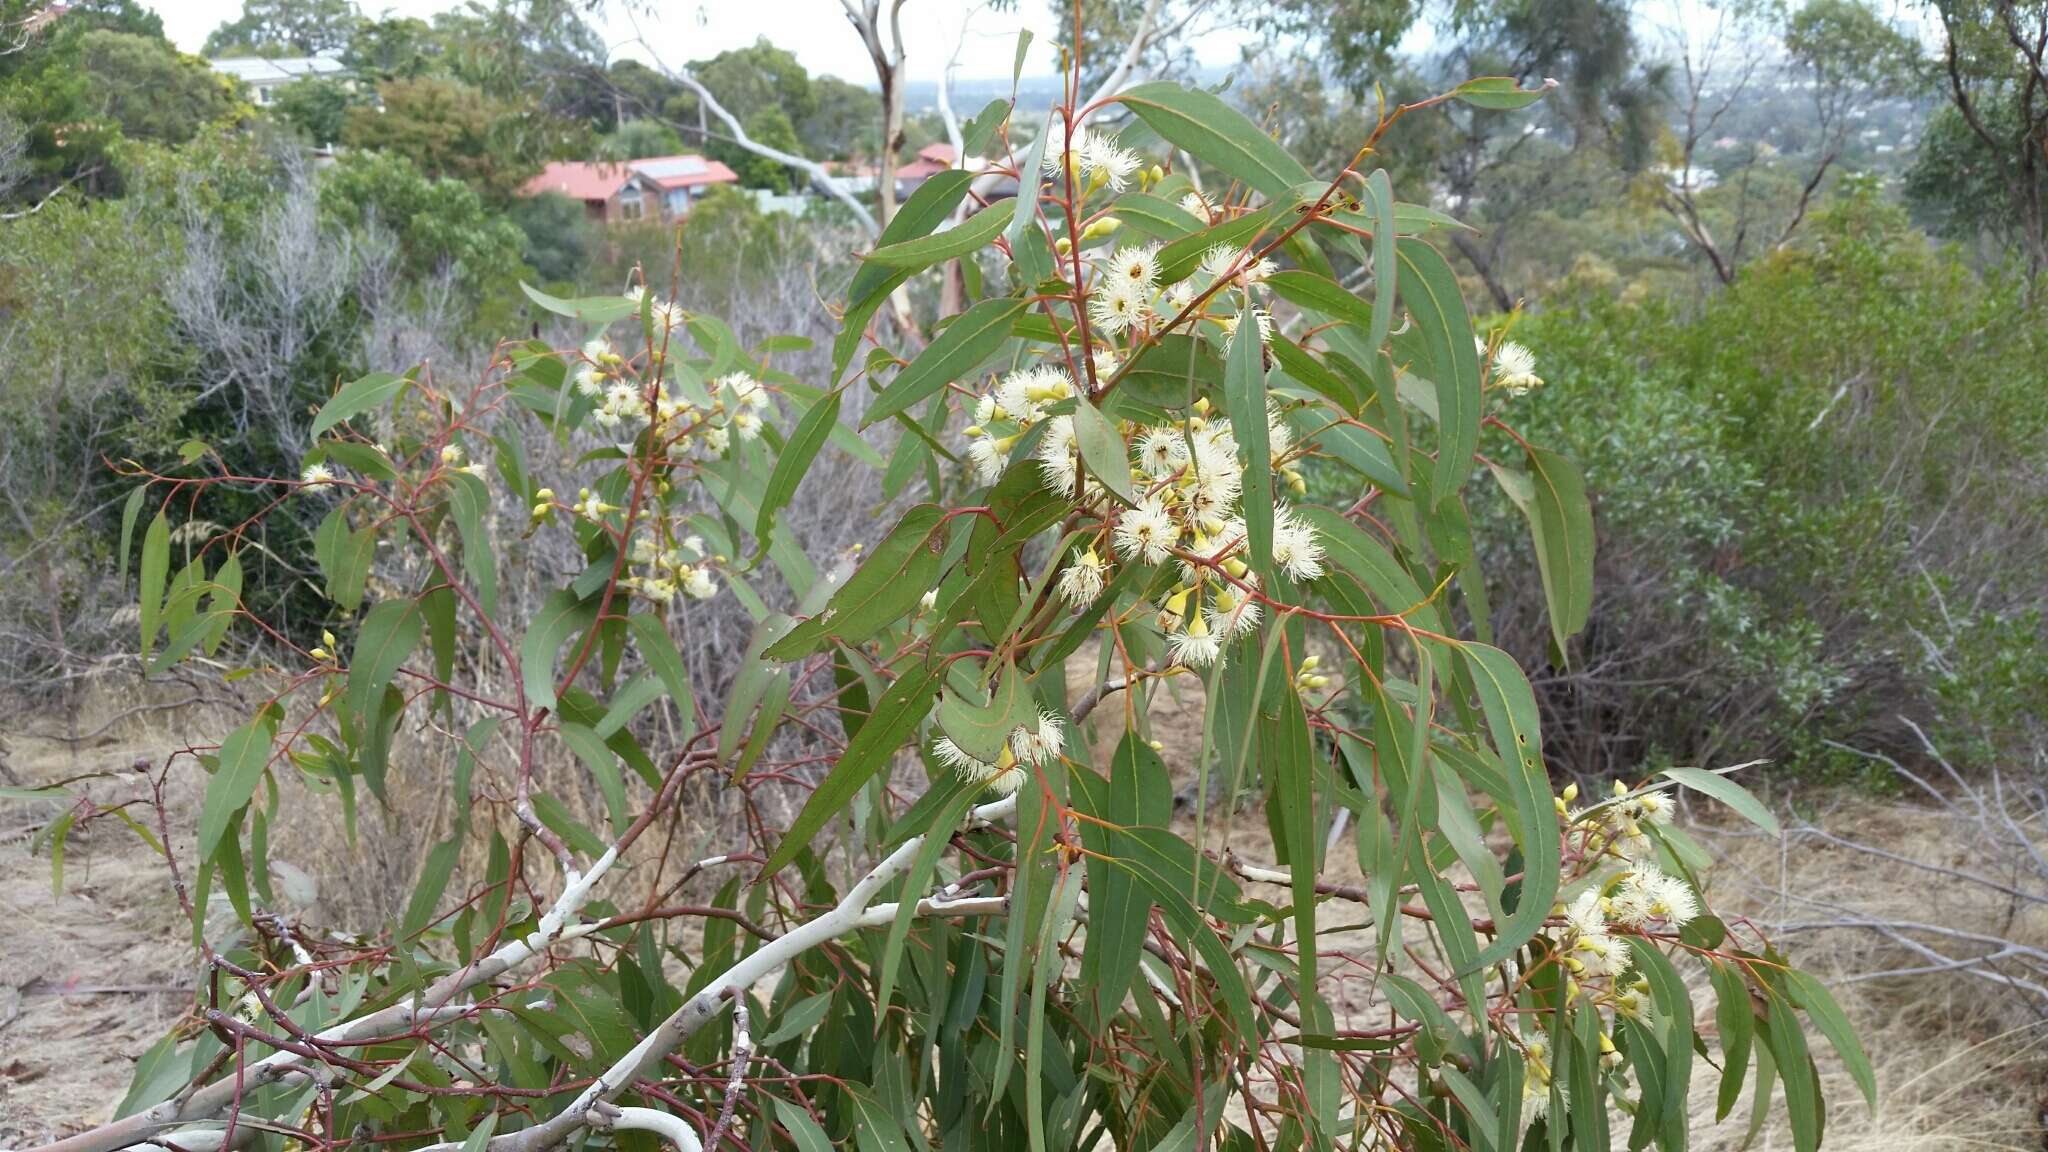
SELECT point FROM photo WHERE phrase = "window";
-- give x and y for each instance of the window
(631, 207)
(678, 201)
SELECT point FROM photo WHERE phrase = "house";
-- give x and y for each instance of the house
(680, 180)
(263, 77)
(931, 160)
(660, 187)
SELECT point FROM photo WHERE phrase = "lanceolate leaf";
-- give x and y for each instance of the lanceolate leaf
(470, 501)
(1138, 793)
(1103, 451)
(1289, 752)
(1781, 1033)
(795, 459)
(562, 615)
(982, 727)
(925, 210)
(1720, 787)
(156, 567)
(1431, 291)
(242, 758)
(660, 653)
(888, 583)
(1510, 709)
(971, 235)
(388, 635)
(971, 338)
(1310, 291)
(1500, 93)
(1553, 498)
(1244, 388)
(1809, 994)
(355, 398)
(1216, 133)
(897, 714)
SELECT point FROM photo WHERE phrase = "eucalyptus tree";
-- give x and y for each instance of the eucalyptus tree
(955, 900)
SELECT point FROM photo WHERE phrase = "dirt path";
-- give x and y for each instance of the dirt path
(89, 979)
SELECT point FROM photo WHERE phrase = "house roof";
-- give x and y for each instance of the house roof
(268, 70)
(581, 181)
(921, 169)
(940, 153)
(686, 171)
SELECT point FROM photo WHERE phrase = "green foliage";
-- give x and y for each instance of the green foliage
(442, 223)
(285, 28)
(561, 239)
(1819, 557)
(148, 89)
(1124, 512)
(318, 107)
(639, 139)
(445, 129)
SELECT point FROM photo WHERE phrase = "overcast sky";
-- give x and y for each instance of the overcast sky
(815, 30)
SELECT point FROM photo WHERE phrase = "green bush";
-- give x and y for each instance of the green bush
(1819, 494)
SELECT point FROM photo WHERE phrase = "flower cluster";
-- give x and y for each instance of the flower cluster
(1128, 298)
(1028, 745)
(738, 402)
(683, 568)
(1616, 828)
(1191, 476)
(1597, 963)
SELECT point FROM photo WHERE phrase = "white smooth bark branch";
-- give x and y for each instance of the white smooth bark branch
(852, 913)
(592, 1108)
(820, 179)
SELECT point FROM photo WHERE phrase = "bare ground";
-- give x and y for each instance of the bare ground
(89, 979)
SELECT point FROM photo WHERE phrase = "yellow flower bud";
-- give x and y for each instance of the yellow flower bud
(1571, 792)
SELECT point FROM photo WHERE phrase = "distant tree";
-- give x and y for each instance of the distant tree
(1962, 188)
(286, 28)
(748, 80)
(441, 223)
(1504, 171)
(1848, 56)
(769, 126)
(639, 139)
(538, 54)
(561, 239)
(317, 107)
(445, 129)
(393, 48)
(1994, 71)
(150, 89)
(637, 91)
(847, 122)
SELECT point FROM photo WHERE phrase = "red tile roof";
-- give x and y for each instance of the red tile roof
(579, 181)
(686, 171)
(940, 154)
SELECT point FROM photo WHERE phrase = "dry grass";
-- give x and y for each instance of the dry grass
(1960, 1063)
